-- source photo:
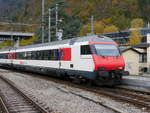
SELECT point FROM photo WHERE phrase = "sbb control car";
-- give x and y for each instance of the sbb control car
(93, 58)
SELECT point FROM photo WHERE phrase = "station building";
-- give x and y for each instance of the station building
(137, 57)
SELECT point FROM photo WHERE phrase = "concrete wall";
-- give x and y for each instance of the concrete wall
(132, 61)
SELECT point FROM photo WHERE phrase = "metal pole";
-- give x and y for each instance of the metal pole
(12, 40)
(43, 10)
(148, 25)
(56, 24)
(49, 26)
(92, 24)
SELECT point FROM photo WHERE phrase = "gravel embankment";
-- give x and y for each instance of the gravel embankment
(61, 98)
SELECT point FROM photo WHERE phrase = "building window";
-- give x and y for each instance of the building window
(143, 58)
(143, 69)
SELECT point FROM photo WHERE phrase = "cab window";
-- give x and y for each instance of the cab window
(85, 50)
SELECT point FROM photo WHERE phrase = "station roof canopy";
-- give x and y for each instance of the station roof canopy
(142, 45)
(122, 37)
(14, 35)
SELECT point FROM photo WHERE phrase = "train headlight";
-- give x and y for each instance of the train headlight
(101, 68)
(120, 67)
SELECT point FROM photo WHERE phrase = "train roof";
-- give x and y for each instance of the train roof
(92, 38)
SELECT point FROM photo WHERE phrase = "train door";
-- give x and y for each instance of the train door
(65, 58)
(9, 59)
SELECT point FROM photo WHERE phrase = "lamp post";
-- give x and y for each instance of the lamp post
(49, 26)
(56, 24)
(92, 24)
(43, 10)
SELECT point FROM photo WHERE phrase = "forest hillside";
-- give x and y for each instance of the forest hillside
(109, 15)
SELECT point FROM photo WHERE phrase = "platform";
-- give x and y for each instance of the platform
(139, 81)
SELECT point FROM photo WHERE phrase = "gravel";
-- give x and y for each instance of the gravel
(64, 99)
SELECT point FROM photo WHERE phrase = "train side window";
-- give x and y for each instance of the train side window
(25, 55)
(51, 55)
(3, 56)
(33, 55)
(39, 55)
(29, 55)
(17, 55)
(85, 50)
(46, 55)
(54, 54)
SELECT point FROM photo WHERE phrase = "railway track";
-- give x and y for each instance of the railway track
(14, 100)
(138, 99)
(135, 97)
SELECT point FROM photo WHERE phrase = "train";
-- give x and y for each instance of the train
(92, 58)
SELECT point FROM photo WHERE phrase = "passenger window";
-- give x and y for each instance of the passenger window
(46, 54)
(3, 56)
(54, 54)
(33, 55)
(85, 50)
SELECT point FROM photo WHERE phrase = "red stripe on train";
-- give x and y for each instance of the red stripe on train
(102, 43)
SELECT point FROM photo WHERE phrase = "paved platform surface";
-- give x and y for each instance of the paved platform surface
(140, 81)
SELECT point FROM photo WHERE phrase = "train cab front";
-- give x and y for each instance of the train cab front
(109, 64)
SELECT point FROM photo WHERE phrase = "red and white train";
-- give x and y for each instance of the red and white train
(94, 58)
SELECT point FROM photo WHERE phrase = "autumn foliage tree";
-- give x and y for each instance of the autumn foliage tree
(110, 16)
(111, 28)
(100, 27)
(28, 41)
(137, 23)
(135, 37)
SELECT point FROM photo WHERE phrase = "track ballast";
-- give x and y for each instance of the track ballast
(14, 100)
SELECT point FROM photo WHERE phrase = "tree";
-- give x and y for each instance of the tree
(99, 28)
(111, 28)
(134, 37)
(144, 8)
(137, 23)
(69, 24)
(86, 29)
(28, 41)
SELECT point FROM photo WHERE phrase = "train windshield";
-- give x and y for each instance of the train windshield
(107, 50)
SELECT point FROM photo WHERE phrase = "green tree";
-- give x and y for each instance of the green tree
(69, 24)
(144, 8)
